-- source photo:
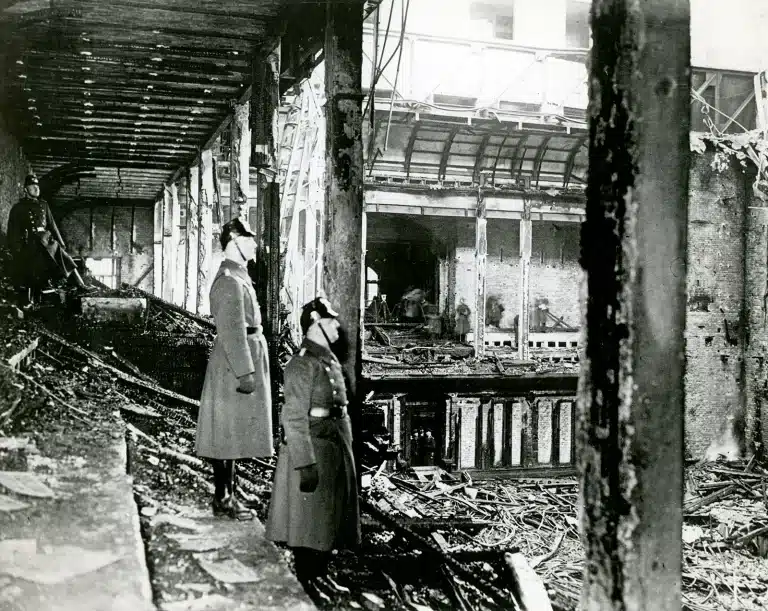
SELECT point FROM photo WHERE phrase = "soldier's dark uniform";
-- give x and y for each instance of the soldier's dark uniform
(327, 518)
(35, 244)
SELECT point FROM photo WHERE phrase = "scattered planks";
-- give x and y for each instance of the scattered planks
(154, 388)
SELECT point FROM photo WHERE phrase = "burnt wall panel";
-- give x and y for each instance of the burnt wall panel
(13, 169)
(714, 326)
(555, 270)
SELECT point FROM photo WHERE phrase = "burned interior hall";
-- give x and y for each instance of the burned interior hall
(486, 279)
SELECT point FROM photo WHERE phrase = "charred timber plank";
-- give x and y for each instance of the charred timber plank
(15, 361)
(528, 585)
(479, 582)
(204, 322)
(125, 309)
(169, 394)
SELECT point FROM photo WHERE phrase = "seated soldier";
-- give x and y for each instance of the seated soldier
(38, 255)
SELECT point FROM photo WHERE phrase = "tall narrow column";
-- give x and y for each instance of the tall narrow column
(634, 252)
(190, 287)
(205, 231)
(239, 160)
(169, 220)
(481, 258)
(344, 169)
(157, 253)
(526, 243)
(177, 283)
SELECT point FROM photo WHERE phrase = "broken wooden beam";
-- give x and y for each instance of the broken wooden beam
(530, 590)
(208, 324)
(23, 355)
(154, 388)
(114, 309)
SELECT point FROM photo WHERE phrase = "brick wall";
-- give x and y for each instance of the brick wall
(13, 169)
(75, 228)
(715, 329)
(555, 269)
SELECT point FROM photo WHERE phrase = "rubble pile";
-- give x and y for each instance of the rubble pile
(411, 349)
(725, 536)
(431, 539)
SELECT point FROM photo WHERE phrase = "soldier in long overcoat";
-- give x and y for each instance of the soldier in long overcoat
(38, 253)
(314, 505)
(235, 418)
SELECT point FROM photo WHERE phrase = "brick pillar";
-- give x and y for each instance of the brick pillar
(756, 315)
(633, 250)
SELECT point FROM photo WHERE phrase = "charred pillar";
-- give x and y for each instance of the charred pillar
(481, 257)
(157, 253)
(239, 161)
(190, 286)
(344, 170)
(177, 287)
(205, 231)
(523, 322)
(264, 137)
(634, 252)
(169, 219)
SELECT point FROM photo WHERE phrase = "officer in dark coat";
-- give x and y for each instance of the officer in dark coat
(36, 246)
(314, 505)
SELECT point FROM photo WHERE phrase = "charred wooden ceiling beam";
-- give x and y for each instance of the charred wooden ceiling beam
(409, 147)
(517, 156)
(149, 163)
(446, 152)
(571, 161)
(479, 155)
(539, 160)
(90, 201)
(231, 9)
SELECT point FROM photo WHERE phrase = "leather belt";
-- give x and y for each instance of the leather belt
(252, 330)
(324, 412)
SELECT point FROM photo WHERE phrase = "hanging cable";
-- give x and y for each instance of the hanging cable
(378, 71)
(397, 71)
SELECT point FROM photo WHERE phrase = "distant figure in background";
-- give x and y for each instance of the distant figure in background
(494, 311)
(462, 320)
(235, 418)
(314, 506)
(38, 253)
(410, 305)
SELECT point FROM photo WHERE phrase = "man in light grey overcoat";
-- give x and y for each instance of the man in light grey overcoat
(235, 419)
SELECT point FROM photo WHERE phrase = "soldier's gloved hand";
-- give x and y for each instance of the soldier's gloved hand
(309, 478)
(247, 384)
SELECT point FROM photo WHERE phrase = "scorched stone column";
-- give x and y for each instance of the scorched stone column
(481, 260)
(344, 168)
(634, 251)
(190, 287)
(205, 232)
(526, 244)
(240, 159)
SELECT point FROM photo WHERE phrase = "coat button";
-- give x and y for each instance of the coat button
(332, 380)
(334, 392)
